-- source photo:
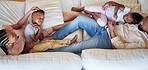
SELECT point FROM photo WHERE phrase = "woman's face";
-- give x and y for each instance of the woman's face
(11, 36)
(38, 18)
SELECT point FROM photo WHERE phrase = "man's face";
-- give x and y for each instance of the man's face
(38, 18)
(144, 25)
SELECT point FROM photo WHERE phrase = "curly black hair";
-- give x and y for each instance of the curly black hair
(39, 11)
(137, 18)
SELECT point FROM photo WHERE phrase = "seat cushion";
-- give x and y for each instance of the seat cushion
(41, 61)
(101, 59)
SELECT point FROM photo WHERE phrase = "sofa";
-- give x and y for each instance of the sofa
(90, 59)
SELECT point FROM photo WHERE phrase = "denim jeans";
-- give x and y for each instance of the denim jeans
(99, 35)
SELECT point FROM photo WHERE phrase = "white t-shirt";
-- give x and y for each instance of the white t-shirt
(109, 12)
(29, 30)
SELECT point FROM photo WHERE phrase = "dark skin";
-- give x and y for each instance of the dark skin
(144, 24)
(128, 18)
(112, 26)
(37, 20)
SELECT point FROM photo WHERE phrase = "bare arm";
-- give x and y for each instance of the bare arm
(112, 26)
(112, 3)
(36, 37)
(93, 14)
(22, 21)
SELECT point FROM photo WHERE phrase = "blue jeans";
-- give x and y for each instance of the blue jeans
(99, 36)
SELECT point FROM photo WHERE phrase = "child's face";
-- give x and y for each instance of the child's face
(128, 18)
(144, 24)
(38, 18)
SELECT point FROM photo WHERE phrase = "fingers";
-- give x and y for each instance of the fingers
(35, 8)
(37, 27)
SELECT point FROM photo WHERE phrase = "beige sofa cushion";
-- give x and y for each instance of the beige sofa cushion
(68, 4)
(52, 8)
(144, 4)
(11, 12)
(41, 61)
(101, 59)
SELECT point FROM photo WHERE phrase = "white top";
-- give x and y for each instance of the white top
(129, 37)
(29, 30)
(109, 12)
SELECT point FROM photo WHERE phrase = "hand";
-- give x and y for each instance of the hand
(112, 25)
(30, 45)
(37, 27)
(34, 9)
(106, 5)
(115, 16)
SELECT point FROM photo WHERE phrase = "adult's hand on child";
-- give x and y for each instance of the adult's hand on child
(34, 9)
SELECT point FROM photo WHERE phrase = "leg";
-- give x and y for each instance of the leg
(99, 40)
(86, 23)
(77, 9)
(71, 16)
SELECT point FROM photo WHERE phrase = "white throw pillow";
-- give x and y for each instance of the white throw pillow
(52, 8)
(11, 12)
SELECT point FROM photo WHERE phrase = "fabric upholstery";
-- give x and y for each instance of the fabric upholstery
(52, 8)
(100, 59)
(41, 61)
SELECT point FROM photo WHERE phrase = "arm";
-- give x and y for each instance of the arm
(36, 37)
(112, 26)
(112, 3)
(71, 16)
(17, 48)
(21, 22)
(119, 44)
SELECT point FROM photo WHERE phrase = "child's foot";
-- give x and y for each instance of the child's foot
(74, 40)
(77, 9)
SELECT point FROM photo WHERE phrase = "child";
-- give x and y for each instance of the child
(33, 33)
(113, 11)
(52, 44)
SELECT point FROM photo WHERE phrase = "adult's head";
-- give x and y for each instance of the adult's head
(143, 26)
(38, 17)
(133, 18)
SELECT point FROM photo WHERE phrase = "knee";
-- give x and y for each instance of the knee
(80, 17)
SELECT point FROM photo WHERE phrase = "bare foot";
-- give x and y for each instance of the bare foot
(74, 40)
(77, 9)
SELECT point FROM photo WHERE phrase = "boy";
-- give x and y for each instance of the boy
(121, 13)
(33, 33)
